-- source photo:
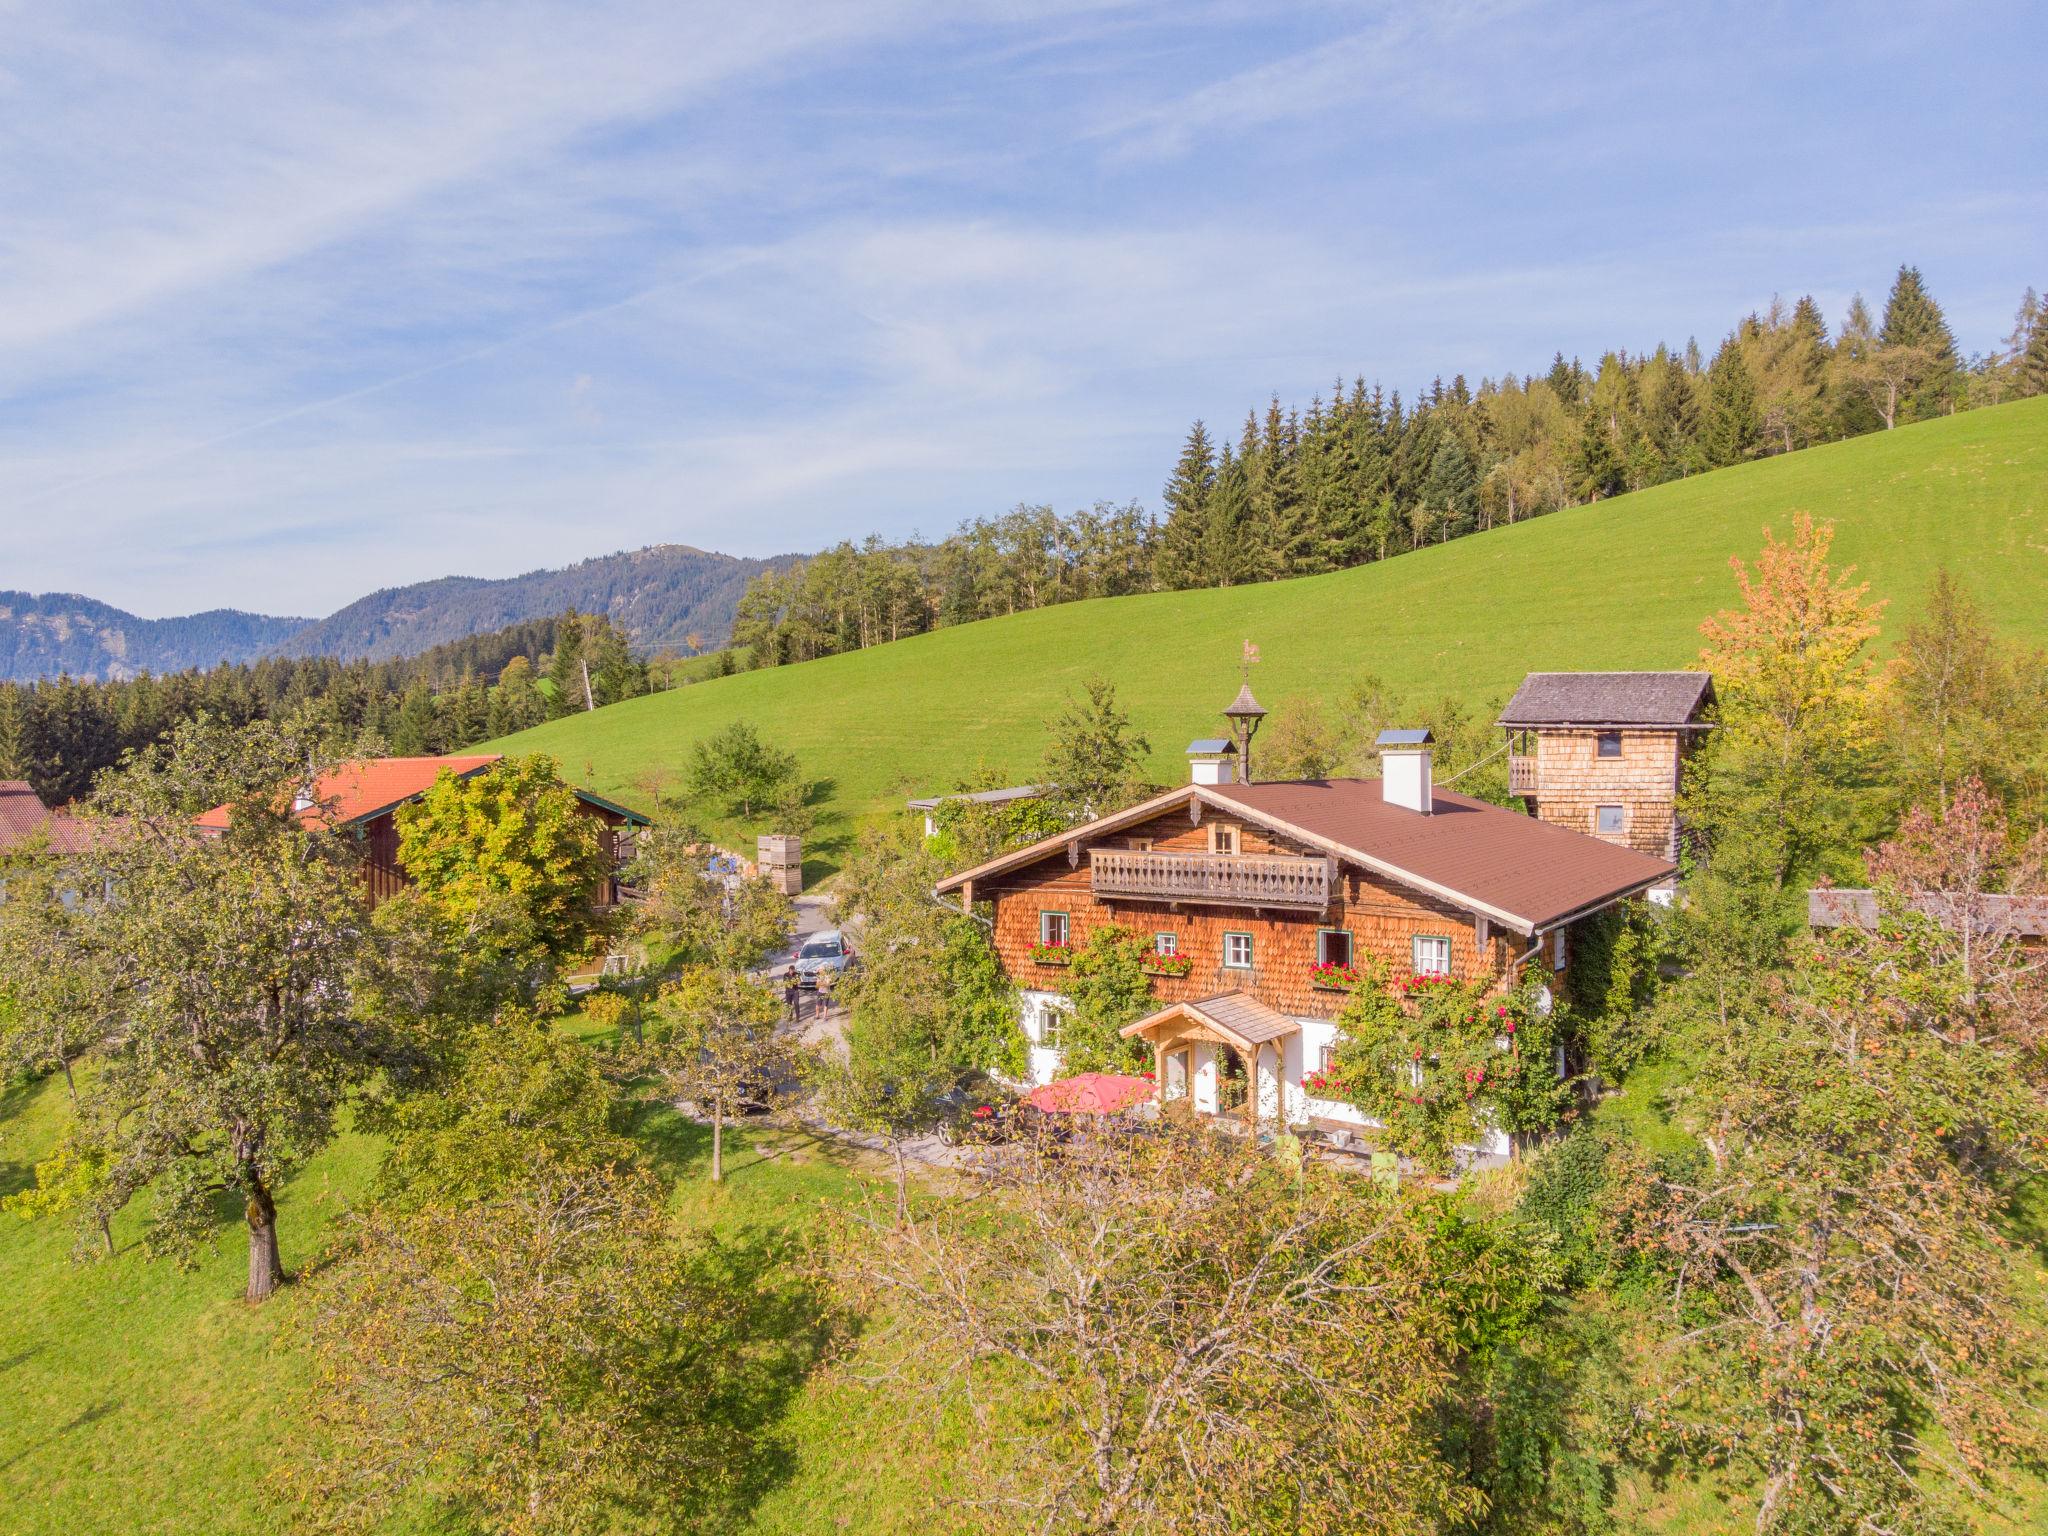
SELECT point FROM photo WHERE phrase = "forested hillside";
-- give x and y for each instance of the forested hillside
(45, 634)
(1362, 474)
(666, 597)
(61, 735)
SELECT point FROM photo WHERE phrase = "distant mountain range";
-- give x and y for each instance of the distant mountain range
(660, 596)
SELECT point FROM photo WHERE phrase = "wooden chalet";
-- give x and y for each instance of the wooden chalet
(1249, 888)
(362, 799)
(1604, 753)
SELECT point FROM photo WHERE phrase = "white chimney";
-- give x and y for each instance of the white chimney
(1212, 760)
(1404, 770)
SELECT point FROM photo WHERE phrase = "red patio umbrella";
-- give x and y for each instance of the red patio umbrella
(1091, 1093)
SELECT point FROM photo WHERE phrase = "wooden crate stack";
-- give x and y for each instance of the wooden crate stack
(781, 858)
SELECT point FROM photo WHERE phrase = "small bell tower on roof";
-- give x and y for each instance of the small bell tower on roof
(1244, 713)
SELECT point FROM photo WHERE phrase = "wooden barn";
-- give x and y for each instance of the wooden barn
(362, 799)
(1255, 893)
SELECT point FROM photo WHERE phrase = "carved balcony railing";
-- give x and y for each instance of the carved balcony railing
(1213, 879)
(1521, 774)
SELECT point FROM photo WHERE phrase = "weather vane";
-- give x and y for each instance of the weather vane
(1250, 660)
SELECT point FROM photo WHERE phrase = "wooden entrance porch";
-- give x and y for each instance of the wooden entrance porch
(1188, 1040)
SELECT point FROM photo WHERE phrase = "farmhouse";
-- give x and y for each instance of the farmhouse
(362, 798)
(1259, 897)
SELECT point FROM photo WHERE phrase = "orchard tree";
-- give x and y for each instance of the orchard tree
(737, 772)
(515, 1098)
(236, 957)
(551, 1359)
(59, 994)
(506, 862)
(1204, 1339)
(711, 919)
(1838, 1320)
(716, 1039)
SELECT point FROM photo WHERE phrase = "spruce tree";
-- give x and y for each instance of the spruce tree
(2033, 371)
(1597, 468)
(1914, 327)
(1187, 510)
(1452, 489)
(1734, 429)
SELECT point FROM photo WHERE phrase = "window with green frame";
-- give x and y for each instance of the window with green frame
(1237, 951)
(1052, 928)
(1432, 954)
(1333, 946)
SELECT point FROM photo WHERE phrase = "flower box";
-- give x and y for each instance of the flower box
(1173, 966)
(1052, 954)
(1335, 978)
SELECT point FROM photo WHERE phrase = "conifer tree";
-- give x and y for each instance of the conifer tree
(1187, 511)
(2033, 371)
(1596, 463)
(1914, 327)
(1733, 430)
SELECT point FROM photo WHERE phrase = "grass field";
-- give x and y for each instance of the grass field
(143, 1398)
(1621, 584)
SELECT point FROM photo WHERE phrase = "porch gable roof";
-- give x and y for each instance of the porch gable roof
(1241, 1019)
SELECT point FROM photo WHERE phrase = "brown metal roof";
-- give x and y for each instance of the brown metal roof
(1480, 856)
(1524, 873)
(1238, 1016)
(24, 817)
(1672, 699)
(2023, 917)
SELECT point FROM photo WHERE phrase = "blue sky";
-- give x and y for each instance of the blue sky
(300, 301)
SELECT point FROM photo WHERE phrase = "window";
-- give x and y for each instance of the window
(1165, 943)
(1557, 950)
(1237, 951)
(1222, 837)
(1052, 927)
(1610, 743)
(1432, 955)
(1139, 844)
(1049, 1020)
(1326, 1057)
(1610, 820)
(1333, 946)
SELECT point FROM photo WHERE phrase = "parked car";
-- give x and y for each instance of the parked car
(823, 953)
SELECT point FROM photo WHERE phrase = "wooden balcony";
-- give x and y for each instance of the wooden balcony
(1211, 879)
(1521, 774)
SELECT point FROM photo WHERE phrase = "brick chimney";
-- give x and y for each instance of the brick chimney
(1405, 770)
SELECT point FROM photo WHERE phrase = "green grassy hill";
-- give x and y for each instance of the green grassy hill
(1621, 584)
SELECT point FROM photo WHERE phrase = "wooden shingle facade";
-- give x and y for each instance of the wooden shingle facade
(1375, 914)
(1604, 753)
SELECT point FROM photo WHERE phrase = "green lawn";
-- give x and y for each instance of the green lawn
(1622, 584)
